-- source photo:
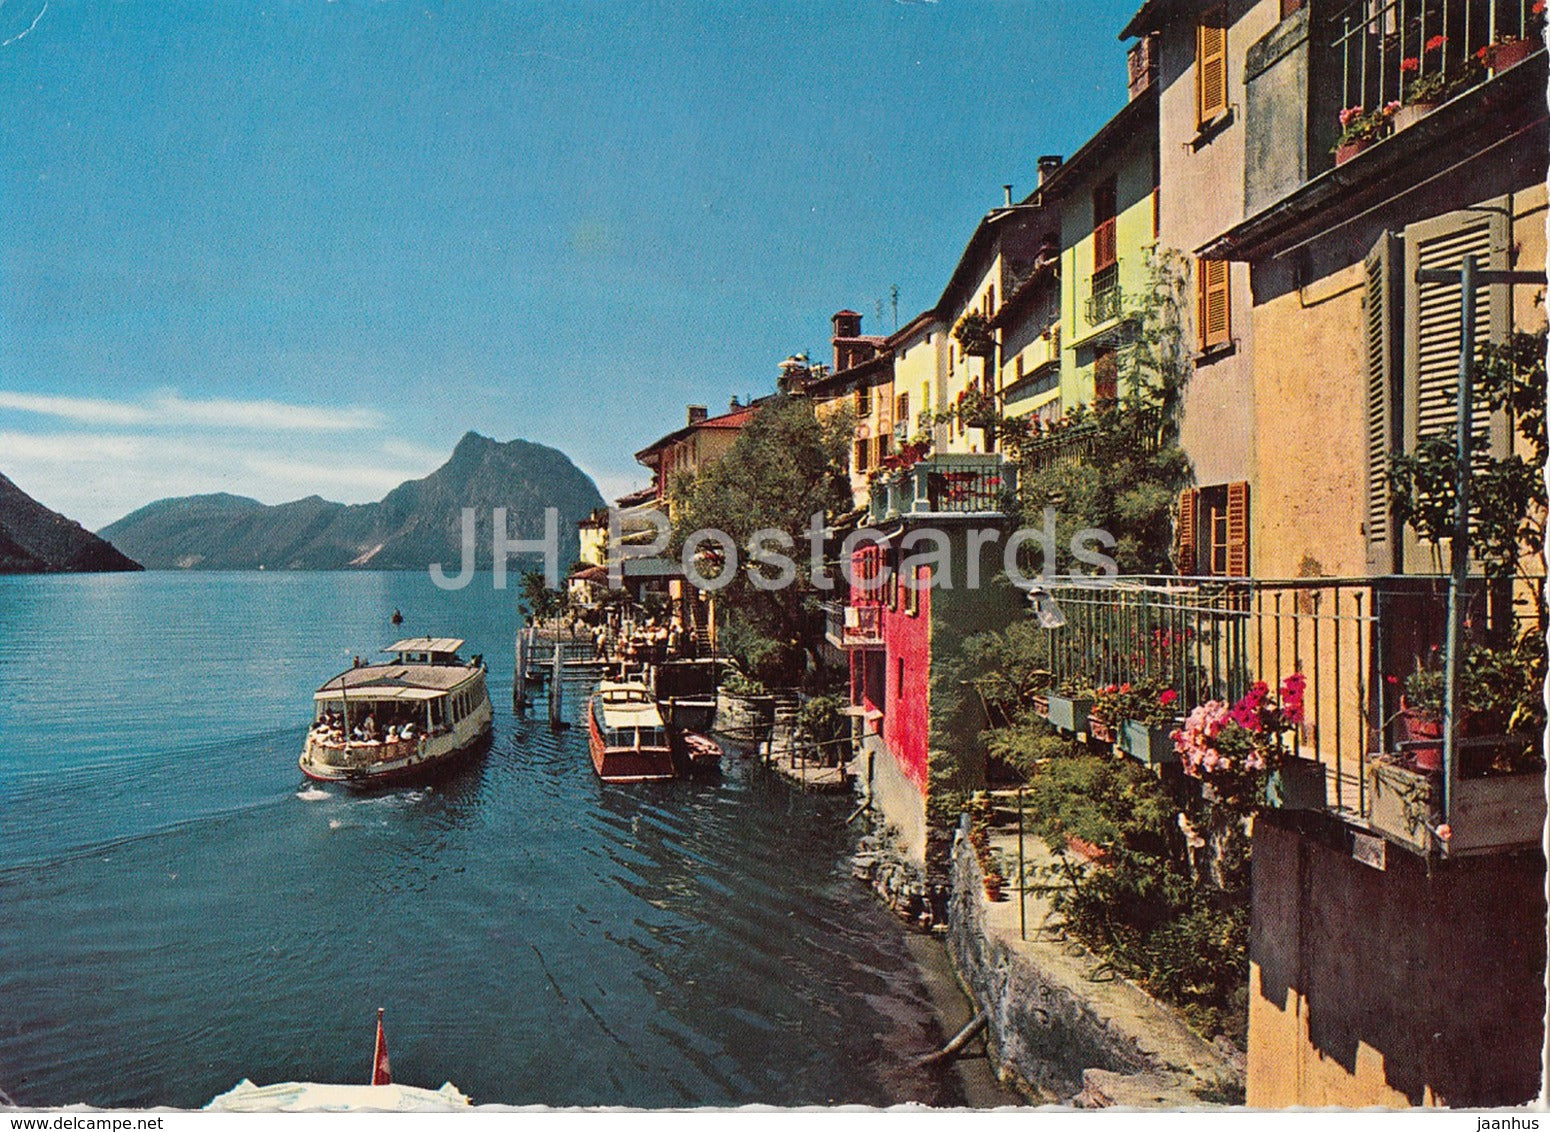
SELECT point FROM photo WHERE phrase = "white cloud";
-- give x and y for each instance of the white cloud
(81, 410)
(170, 409)
(96, 478)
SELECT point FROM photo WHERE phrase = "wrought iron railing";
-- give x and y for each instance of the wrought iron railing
(1105, 304)
(1354, 641)
(945, 485)
(1078, 443)
(1384, 47)
(862, 626)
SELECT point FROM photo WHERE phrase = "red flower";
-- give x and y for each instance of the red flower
(1539, 8)
(1435, 42)
(1168, 697)
(1484, 53)
(1410, 64)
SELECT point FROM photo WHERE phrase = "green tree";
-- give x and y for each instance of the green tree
(785, 466)
(538, 600)
(1117, 466)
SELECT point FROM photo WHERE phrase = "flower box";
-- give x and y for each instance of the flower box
(1150, 745)
(1297, 784)
(1500, 56)
(1069, 714)
(1497, 812)
(1402, 804)
(1408, 115)
(1350, 149)
(1041, 706)
(1098, 730)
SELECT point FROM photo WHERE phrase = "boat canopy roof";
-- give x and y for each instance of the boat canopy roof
(626, 706)
(441, 645)
(385, 692)
(372, 679)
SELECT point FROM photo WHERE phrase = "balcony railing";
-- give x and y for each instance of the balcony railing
(1355, 642)
(1076, 444)
(861, 626)
(1383, 47)
(1105, 305)
(968, 484)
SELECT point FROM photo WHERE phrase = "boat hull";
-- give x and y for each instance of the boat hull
(434, 756)
(627, 764)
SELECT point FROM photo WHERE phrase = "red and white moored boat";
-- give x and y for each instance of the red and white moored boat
(629, 741)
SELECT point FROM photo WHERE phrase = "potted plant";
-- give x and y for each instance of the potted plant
(1499, 800)
(1403, 804)
(1144, 713)
(994, 883)
(973, 334)
(1243, 752)
(1423, 93)
(1100, 724)
(1510, 50)
(1358, 130)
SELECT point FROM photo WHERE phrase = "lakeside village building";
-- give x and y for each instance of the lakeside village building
(1388, 966)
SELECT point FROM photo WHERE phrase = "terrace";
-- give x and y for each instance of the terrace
(965, 484)
(1390, 51)
(1371, 756)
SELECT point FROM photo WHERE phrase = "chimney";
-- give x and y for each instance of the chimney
(847, 324)
(698, 413)
(1047, 166)
(734, 406)
(1008, 190)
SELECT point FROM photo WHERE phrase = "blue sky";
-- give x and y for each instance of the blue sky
(298, 247)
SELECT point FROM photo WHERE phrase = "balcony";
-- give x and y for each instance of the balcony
(1389, 51)
(967, 484)
(856, 626)
(1105, 305)
(1356, 643)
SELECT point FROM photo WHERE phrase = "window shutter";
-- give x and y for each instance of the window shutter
(1432, 313)
(1105, 235)
(1382, 322)
(1184, 550)
(1215, 302)
(1238, 530)
(1211, 65)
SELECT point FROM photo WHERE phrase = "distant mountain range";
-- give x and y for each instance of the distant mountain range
(35, 540)
(418, 523)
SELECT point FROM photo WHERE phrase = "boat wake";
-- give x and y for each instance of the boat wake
(313, 794)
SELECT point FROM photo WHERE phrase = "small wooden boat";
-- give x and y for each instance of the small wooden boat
(628, 739)
(378, 723)
(701, 754)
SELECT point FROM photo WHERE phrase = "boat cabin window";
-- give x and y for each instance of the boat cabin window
(636, 737)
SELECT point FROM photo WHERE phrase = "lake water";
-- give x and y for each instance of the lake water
(179, 911)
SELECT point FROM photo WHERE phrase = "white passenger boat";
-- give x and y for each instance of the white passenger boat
(384, 722)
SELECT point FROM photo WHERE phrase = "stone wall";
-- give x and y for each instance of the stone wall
(1061, 1031)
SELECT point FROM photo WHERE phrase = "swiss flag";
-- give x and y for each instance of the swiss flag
(381, 1073)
